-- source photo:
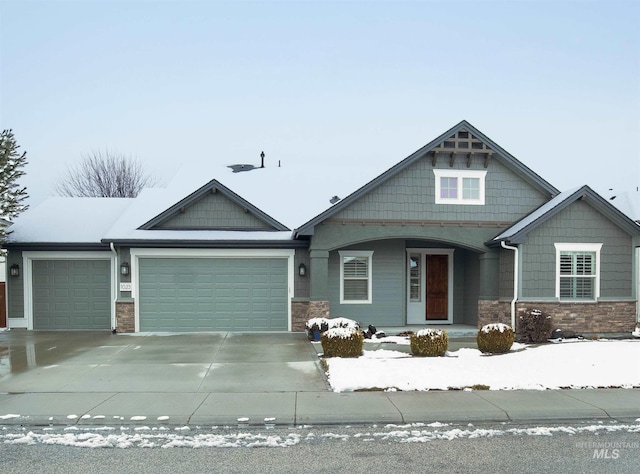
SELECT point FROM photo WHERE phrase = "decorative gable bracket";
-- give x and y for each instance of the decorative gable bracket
(462, 143)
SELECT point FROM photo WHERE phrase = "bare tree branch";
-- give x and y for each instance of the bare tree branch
(104, 174)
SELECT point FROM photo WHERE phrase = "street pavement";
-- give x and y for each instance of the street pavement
(97, 378)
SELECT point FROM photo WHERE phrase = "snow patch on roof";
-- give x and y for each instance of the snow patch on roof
(291, 194)
(628, 203)
(64, 219)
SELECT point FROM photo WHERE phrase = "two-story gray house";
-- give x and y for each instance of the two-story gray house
(459, 232)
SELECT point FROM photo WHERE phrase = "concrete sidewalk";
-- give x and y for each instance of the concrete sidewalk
(227, 379)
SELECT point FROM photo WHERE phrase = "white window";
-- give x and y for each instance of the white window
(459, 186)
(355, 277)
(578, 272)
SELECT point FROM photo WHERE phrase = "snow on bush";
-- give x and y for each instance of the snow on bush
(430, 332)
(323, 324)
(342, 333)
(496, 327)
(636, 333)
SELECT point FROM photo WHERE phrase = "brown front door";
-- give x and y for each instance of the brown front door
(437, 291)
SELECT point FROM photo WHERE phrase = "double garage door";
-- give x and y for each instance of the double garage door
(175, 294)
(213, 294)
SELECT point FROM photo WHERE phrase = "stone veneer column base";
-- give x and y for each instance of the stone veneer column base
(302, 311)
(125, 316)
(603, 317)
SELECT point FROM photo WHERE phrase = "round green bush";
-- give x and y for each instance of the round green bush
(429, 343)
(495, 338)
(342, 342)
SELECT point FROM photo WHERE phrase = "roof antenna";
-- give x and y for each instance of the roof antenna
(262, 159)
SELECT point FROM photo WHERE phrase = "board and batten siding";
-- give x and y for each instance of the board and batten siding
(467, 268)
(505, 285)
(213, 211)
(410, 195)
(578, 223)
(15, 288)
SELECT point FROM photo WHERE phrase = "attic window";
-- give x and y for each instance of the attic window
(463, 134)
(459, 186)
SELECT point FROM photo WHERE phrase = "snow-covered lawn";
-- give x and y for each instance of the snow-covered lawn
(568, 364)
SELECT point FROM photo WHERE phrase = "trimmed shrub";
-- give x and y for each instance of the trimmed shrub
(429, 343)
(495, 338)
(342, 342)
(534, 327)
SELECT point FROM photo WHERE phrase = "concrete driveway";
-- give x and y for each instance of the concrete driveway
(49, 362)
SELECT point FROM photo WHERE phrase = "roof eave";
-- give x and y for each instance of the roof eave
(175, 243)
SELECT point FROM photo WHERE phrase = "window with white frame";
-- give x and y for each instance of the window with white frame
(355, 276)
(459, 186)
(578, 272)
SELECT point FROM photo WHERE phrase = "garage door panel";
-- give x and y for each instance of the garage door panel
(214, 294)
(71, 294)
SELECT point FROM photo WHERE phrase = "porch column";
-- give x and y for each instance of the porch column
(319, 279)
(489, 275)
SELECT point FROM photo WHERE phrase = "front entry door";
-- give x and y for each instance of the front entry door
(430, 286)
(437, 289)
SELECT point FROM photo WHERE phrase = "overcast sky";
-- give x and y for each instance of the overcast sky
(557, 84)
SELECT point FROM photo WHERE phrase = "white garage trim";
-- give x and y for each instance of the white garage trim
(137, 254)
(27, 265)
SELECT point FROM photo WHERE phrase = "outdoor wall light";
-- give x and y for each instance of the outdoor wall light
(124, 268)
(302, 270)
(14, 270)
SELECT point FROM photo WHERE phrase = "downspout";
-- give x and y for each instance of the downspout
(515, 282)
(115, 286)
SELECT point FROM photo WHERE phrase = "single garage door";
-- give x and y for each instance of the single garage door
(213, 294)
(71, 294)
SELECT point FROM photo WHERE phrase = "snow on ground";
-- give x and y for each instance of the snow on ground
(182, 437)
(577, 364)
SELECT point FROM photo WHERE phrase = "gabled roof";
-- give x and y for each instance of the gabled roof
(517, 233)
(498, 153)
(212, 186)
